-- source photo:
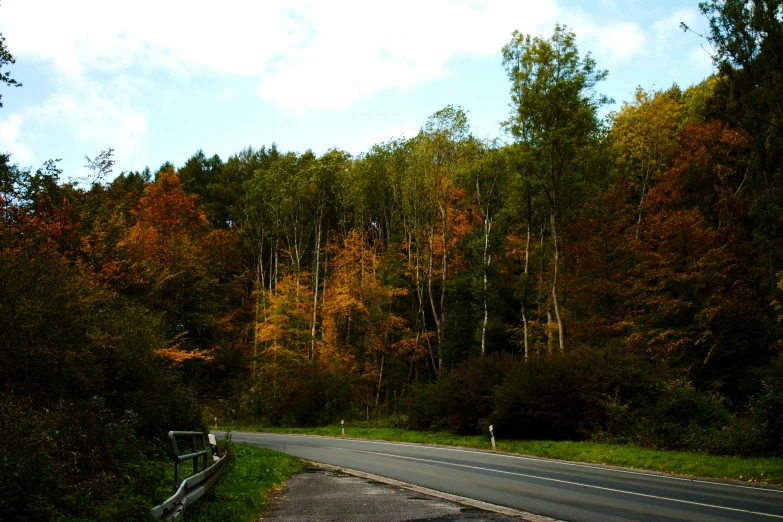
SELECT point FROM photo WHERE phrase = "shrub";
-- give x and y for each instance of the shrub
(75, 461)
(541, 401)
(682, 418)
(565, 396)
(461, 402)
(766, 410)
(305, 395)
(428, 405)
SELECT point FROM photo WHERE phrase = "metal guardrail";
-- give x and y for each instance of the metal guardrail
(193, 487)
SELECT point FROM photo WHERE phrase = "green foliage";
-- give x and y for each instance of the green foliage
(748, 38)
(82, 380)
(680, 417)
(76, 461)
(702, 103)
(562, 397)
(293, 289)
(241, 494)
(552, 91)
(6, 59)
(310, 396)
(461, 401)
(766, 410)
(105, 345)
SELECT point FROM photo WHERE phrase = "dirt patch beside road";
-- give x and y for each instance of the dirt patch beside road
(326, 495)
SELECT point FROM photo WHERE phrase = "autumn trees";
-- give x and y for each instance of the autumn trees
(635, 253)
(85, 373)
(576, 278)
(554, 112)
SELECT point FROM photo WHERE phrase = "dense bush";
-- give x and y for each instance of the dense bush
(679, 416)
(84, 398)
(64, 338)
(564, 396)
(766, 410)
(308, 395)
(461, 401)
(608, 395)
(543, 400)
(676, 417)
(76, 462)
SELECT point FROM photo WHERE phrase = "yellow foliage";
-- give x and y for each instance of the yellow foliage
(178, 356)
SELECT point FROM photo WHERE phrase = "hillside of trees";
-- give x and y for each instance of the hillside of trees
(612, 278)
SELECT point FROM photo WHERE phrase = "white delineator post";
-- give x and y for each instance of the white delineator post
(342, 425)
(215, 422)
(213, 445)
(492, 434)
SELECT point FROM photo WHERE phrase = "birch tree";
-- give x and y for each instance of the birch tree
(554, 108)
(488, 183)
(438, 154)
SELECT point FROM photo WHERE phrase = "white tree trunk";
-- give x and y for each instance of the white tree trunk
(556, 260)
(524, 292)
(315, 285)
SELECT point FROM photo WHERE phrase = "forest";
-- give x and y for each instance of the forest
(591, 276)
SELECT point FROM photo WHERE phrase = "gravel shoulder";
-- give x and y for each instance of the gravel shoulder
(321, 494)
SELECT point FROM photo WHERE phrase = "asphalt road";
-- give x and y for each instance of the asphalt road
(563, 490)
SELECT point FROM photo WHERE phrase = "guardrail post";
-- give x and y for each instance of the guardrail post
(175, 456)
(204, 447)
(191, 488)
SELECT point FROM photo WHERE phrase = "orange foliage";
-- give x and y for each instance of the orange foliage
(178, 356)
(283, 330)
(358, 325)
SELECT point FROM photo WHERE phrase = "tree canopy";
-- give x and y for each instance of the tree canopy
(615, 279)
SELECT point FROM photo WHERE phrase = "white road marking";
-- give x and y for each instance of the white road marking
(525, 457)
(569, 483)
(486, 506)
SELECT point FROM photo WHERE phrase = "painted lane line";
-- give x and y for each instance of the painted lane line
(560, 481)
(479, 504)
(536, 459)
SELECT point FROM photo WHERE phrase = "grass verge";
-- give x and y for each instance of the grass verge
(241, 494)
(767, 470)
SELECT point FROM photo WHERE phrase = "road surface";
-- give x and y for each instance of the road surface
(562, 490)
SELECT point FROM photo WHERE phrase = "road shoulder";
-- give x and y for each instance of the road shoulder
(325, 493)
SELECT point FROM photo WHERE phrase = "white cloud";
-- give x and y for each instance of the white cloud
(609, 40)
(231, 36)
(680, 53)
(700, 59)
(357, 48)
(9, 141)
(98, 116)
(619, 41)
(305, 54)
(667, 31)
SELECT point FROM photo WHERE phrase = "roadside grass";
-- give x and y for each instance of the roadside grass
(766, 470)
(241, 494)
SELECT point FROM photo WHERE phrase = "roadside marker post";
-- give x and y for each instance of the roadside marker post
(213, 445)
(492, 434)
(342, 425)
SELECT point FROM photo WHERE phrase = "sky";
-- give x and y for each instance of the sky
(157, 80)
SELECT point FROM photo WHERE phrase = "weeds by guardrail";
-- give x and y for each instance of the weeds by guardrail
(193, 487)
